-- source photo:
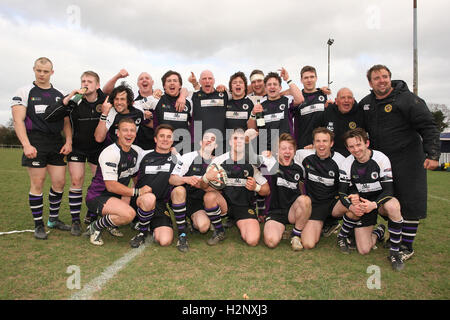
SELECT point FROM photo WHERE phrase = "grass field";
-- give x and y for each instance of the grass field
(32, 269)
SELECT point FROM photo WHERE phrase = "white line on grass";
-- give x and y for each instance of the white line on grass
(438, 198)
(96, 284)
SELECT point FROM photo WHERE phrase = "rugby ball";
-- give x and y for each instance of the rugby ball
(221, 176)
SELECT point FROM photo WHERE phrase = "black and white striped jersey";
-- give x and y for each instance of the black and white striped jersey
(321, 175)
(238, 173)
(154, 171)
(372, 180)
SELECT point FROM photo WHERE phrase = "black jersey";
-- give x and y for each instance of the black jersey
(112, 122)
(321, 175)
(36, 100)
(235, 191)
(84, 118)
(145, 136)
(114, 164)
(154, 171)
(340, 123)
(209, 109)
(307, 115)
(238, 113)
(285, 186)
(372, 180)
(277, 116)
(192, 164)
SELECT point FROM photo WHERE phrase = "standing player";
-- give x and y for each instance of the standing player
(209, 109)
(342, 116)
(155, 167)
(43, 146)
(257, 88)
(239, 106)
(118, 105)
(169, 109)
(401, 126)
(366, 188)
(287, 204)
(307, 115)
(108, 195)
(84, 116)
(187, 176)
(321, 171)
(238, 196)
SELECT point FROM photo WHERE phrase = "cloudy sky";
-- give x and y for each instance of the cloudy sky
(225, 37)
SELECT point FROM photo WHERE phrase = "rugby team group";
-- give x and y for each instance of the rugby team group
(243, 155)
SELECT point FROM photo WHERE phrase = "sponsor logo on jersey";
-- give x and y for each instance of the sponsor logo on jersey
(35, 163)
(74, 158)
(388, 108)
(17, 99)
(36, 98)
(366, 107)
(111, 164)
(352, 125)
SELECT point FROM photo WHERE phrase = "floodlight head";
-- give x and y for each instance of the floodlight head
(330, 42)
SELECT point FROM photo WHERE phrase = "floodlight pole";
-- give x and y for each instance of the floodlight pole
(415, 60)
(329, 43)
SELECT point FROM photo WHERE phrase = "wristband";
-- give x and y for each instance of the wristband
(205, 180)
(136, 192)
(289, 81)
(258, 188)
(102, 117)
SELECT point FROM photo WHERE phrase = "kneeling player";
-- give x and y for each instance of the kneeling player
(238, 196)
(287, 204)
(155, 167)
(109, 193)
(366, 188)
(321, 171)
(187, 175)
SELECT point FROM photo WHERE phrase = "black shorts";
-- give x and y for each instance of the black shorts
(96, 205)
(278, 215)
(48, 147)
(161, 216)
(82, 156)
(321, 210)
(240, 213)
(193, 205)
(369, 219)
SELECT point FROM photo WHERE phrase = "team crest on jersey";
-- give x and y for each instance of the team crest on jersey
(245, 107)
(221, 94)
(246, 173)
(330, 126)
(137, 121)
(297, 177)
(57, 99)
(321, 98)
(388, 108)
(352, 125)
(98, 108)
(366, 107)
(282, 107)
(331, 173)
(251, 211)
(167, 213)
(374, 175)
(169, 158)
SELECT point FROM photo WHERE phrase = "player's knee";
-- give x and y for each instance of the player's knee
(308, 243)
(210, 199)
(165, 240)
(203, 226)
(364, 249)
(271, 241)
(179, 193)
(146, 202)
(252, 241)
(129, 215)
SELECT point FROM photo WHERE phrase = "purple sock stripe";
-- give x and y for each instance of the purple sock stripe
(410, 228)
(407, 240)
(35, 199)
(218, 226)
(180, 205)
(212, 209)
(37, 212)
